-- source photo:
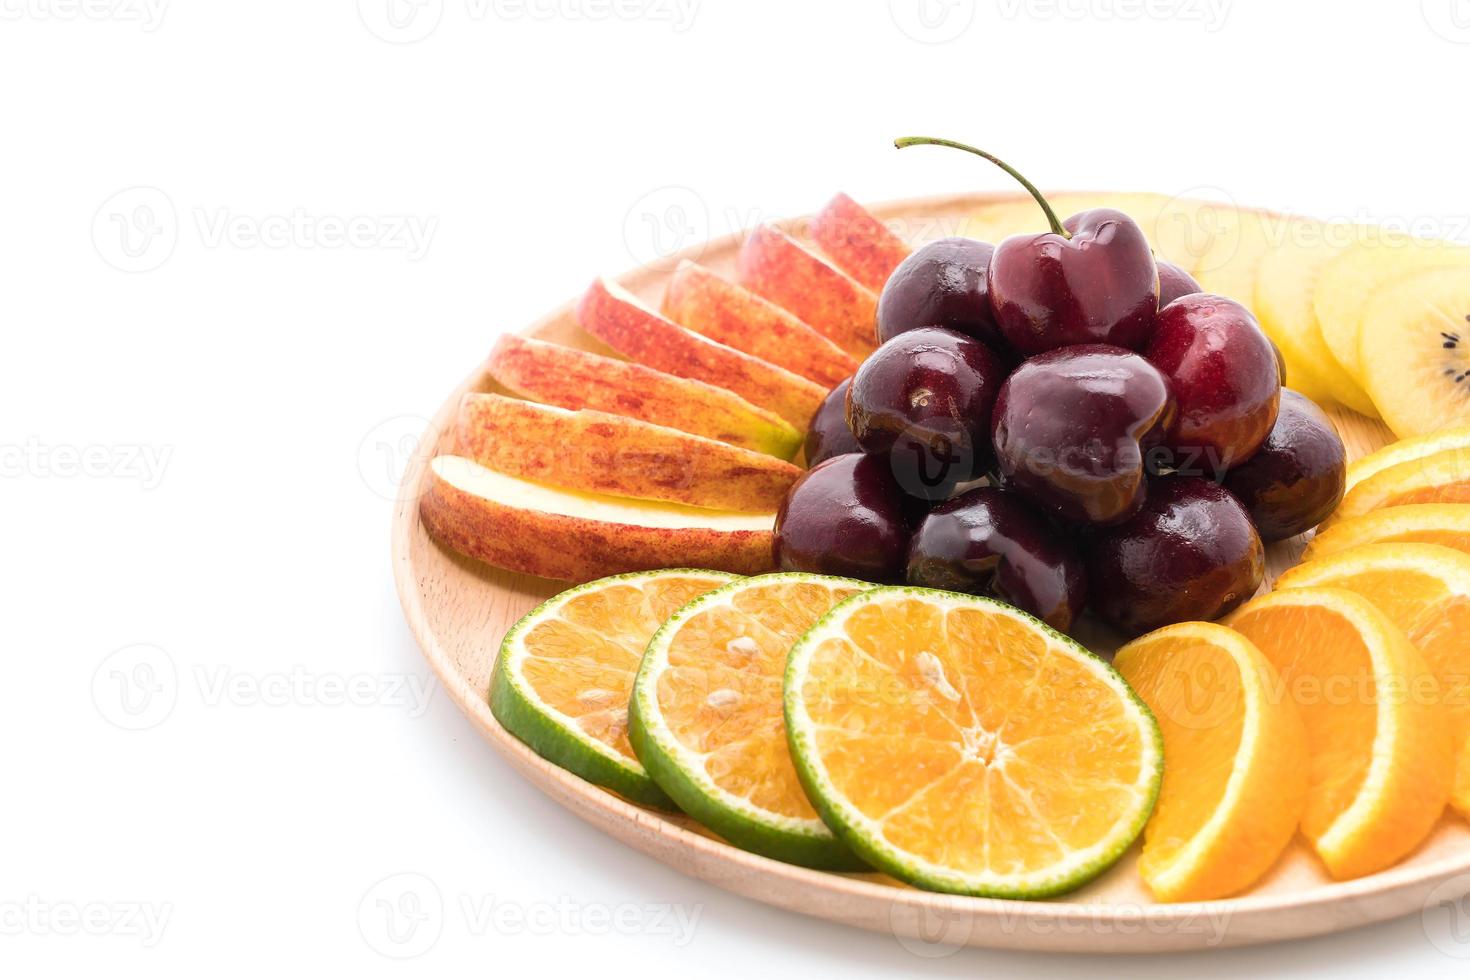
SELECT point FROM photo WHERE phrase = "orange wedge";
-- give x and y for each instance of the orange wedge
(1405, 450)
(1381, 763)
(1440, 478)
(565, 673)
(1447, 525)
(1425, 590)
(1235, 760)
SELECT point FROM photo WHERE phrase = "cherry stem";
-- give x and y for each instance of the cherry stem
(1051, 216)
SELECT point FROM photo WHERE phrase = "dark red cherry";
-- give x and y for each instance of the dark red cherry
(941, 284)
(827, 434)
(1225, 379)
(1297, 477)
(1190, 553)
(1174, 282)
(844, 517)
(923, 401)
(988, 541)
(1072, 427)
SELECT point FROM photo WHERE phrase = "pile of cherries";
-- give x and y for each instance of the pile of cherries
(1061, 420)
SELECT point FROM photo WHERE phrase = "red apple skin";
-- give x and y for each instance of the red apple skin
(1226, 383)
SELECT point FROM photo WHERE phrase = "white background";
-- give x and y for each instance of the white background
(206, 395)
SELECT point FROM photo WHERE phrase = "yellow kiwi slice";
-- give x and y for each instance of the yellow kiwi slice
(1350, 280)
(1414, 347)
(1228, 265)
(1285, 287)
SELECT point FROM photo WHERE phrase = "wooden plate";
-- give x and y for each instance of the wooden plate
(458, 610)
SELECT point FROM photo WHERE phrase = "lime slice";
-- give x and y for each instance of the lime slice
(565, 671)
(963, 746)
(706, 714)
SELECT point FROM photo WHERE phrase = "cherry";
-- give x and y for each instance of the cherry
(988, 541)
(922, 401)
(1090, 280)
(1072, 426)
(1297, 477)
(940, 285)
(1190, 553)
(1225, 379)
(1174, 282)
(844, 517)
(827, 434)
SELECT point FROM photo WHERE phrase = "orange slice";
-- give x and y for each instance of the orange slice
(1447, 525)
(706, 714)
(1406, 450)
(1235, 760)
(565, 672)
(963, 746)
(1440, 478)
(1381, 765)
(1425, 590)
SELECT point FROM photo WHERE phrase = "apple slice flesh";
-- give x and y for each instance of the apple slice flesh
(616, 317)
(734, 316)
(601, 453)
(815, 291)
(860, 244)
(575, 379)
(562, 534)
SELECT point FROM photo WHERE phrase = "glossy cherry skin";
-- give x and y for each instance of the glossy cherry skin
(1297, 477)
(922, 401)
(1098, 287)
(1072, 428)
(844, 517)
(941, 284)
(988, 541)
(1174, 282)
(1190, 553)
(1225, 379)
(827, 434)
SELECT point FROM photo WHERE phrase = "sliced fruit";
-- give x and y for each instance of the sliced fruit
(1231, 262)
(1447, 525)
(602, 453)
(815, 291)
(575, 379)
(734, 316)
(860, 244)
(1425, 590)
(1412, 343)
(616, 317)
(1349, 281)
(1285, 285)
(1235, 760)
(963, 746)
(706, 714)
(563, 534)
(1405, 450)
(1381, 761)
(565, 672)
(1440, 478)
(994, 223)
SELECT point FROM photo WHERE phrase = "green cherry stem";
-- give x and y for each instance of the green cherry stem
(1051, 216)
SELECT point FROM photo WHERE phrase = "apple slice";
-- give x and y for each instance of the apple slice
(789, 274)
(602, 453)
(562, 534)
(860, 244)
(616, 317)
(734, 316)
(575, 379)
